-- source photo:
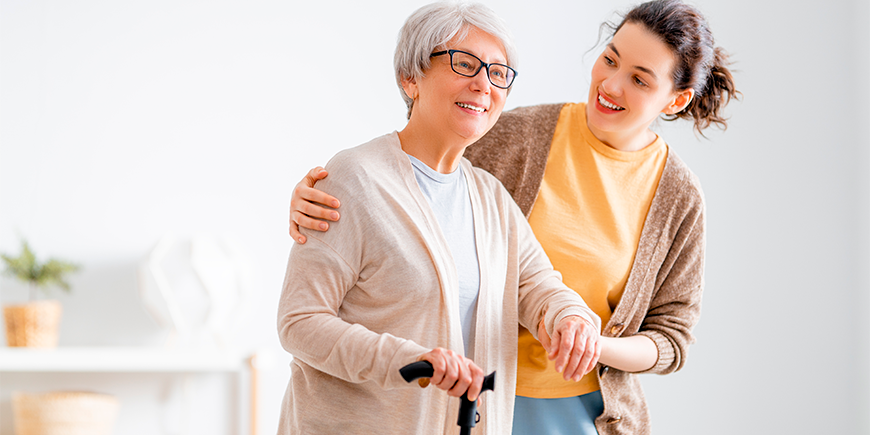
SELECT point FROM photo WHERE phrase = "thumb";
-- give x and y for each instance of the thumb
(315, 174)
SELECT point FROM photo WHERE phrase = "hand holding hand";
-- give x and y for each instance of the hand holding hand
(575, 346)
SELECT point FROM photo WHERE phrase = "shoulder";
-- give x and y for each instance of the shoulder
(533, 114)
(522, 120)
(519, 128)
(356, 159)
(517, 132)
(365, 172)
(679, 183)
(368, 160)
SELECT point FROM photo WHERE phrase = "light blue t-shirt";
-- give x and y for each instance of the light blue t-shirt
(448, 197)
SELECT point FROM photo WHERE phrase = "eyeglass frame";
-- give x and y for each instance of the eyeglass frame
(482, 65)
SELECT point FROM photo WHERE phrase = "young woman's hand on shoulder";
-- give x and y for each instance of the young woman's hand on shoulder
(308, 206)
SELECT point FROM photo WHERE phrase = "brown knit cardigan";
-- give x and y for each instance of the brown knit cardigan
(662, 297)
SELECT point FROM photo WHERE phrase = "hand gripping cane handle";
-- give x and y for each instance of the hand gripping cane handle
(467, 408)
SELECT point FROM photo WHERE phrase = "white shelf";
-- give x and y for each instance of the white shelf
(118, 359)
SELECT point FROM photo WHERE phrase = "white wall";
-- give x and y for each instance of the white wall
(124, 121)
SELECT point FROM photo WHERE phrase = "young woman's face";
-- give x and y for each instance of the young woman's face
(454, 104)
(631, 84)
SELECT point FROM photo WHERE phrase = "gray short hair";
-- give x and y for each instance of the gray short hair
(434, 25)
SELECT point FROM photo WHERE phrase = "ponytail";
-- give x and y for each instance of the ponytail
(699, 64)
(707, 106)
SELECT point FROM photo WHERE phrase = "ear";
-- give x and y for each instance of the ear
(409, 85)
(679, 102)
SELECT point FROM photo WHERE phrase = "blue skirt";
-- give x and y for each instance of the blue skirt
(567, 416)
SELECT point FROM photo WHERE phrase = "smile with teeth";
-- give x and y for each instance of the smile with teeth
(470, 107)
(608, 105)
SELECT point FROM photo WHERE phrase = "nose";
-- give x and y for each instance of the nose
(480, 82)
(611, 85)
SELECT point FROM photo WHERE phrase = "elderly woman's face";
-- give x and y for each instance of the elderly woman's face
(454, 104)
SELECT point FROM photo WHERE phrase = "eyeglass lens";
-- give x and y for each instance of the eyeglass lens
(468, 65)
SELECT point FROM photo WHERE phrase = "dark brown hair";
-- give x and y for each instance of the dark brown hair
(700, 65)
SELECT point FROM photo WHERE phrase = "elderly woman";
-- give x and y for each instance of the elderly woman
(435, 263)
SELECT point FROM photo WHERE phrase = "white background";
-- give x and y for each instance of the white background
(123, 121)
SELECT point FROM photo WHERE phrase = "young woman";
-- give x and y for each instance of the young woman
(618, 213)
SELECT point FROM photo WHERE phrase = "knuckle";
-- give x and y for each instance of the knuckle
(305, 221)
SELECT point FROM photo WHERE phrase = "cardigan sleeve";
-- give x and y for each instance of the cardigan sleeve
(310, 328)
(541, 293)
(676, 304)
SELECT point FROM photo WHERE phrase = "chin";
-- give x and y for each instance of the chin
(475, 133)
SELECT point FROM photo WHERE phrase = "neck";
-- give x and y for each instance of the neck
(436, 151)
(627, 140)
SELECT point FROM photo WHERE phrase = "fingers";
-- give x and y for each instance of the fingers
(454, 373)
(477, 375)
(306, 221)
(301, 220)
(307, 206)
(595, 355)
(314, 195)
(581, 354)
(294, 231)
(578, 350)
(316, 173)
(563, 346)
(308, 200)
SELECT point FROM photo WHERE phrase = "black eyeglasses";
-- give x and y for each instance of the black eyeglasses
(468, 65)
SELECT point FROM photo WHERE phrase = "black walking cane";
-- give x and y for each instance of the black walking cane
(468, 416)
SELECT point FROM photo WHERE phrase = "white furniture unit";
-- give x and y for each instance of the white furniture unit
(137, 360)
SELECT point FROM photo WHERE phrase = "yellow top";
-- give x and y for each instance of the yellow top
(588, 217)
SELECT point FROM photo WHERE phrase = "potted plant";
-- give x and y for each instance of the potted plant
(35, 324)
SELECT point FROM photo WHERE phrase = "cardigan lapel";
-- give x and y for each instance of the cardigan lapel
(427, 225)
(481, 321)
(650, 237)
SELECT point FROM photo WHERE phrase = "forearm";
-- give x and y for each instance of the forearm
(630, 354)
(310, 328)
(350, 352)
(542, 294)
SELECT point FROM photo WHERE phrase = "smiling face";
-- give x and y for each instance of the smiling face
(460, 108)
(631, 85)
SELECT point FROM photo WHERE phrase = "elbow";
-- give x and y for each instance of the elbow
(289, 334)
(284, 331)
(670, 353)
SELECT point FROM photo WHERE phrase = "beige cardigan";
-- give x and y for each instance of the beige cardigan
(662, 298)
(379, 289)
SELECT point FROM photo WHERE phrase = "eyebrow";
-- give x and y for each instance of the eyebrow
(642, 68)
(497, 60)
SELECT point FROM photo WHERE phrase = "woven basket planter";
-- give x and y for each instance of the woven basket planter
(64, 413)
(32, 325)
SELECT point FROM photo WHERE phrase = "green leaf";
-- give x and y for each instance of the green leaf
(26, 268)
